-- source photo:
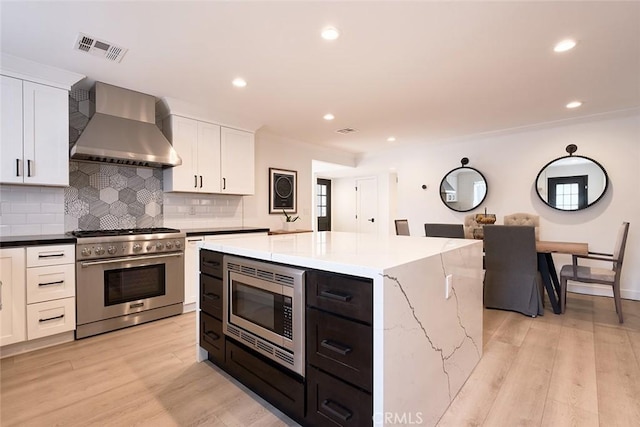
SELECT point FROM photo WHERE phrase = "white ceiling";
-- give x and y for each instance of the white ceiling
(420, 71)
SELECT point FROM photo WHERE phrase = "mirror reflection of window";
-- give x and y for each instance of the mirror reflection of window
(479, 191)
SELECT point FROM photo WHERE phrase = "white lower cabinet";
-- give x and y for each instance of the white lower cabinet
(191, 271)
(51, 290)
(12, 296)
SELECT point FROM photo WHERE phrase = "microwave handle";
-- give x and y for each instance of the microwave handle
(132, 258)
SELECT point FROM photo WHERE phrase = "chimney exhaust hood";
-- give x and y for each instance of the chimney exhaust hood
(123, 131)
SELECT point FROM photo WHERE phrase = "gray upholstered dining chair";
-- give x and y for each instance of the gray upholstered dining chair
(512, 280)
(455, 231)
(524, 219)
(603, 276)
(402, 227)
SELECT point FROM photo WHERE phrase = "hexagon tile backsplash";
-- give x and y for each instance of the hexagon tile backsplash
(104, 196)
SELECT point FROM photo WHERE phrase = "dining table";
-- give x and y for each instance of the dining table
(545, 250)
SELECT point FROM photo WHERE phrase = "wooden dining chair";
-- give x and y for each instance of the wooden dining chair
(455, 231)
(402, 227)
(603, 276)
(512, 280)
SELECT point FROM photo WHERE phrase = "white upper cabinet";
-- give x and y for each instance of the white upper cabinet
(215, 159)
(34, 144)
(238, 162)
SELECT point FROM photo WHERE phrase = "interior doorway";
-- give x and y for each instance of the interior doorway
(323, 204)
(367, 205)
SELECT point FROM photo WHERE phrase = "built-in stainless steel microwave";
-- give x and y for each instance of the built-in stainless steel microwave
(264, 309)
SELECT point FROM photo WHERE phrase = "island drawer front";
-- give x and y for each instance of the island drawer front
(348, 296)
(266, 379)
(333, 402)
(211, 337)
(211, 295)
(340, 346)
(211, 263)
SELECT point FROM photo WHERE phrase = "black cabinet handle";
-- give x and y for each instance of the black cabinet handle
(51, 255)
(51, 318)
(211, 296)
(200, 181)
(17, 167)
(195, 181)
(336, 347)
(28, 167)
(212, 335)
(336, 410)
(59, 282)
(213, 264)
(336, 295)
(224, 183)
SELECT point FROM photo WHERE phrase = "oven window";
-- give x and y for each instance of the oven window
(130, 284)
(258, 306)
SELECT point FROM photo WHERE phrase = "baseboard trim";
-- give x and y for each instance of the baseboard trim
(601, 290)
(37, 344)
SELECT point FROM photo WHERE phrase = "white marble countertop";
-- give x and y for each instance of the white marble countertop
(349, 253)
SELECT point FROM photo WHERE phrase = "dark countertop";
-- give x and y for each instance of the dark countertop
(191, 232)
(36, 240)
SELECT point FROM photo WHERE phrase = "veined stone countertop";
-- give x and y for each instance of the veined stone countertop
(427, 335)
(349, 253)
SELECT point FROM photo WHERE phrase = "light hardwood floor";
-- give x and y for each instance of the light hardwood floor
(577, 369)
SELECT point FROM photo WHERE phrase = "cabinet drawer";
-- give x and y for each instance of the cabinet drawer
(211, 263)
(340, 346)
(333, 402)
(51, 317)
(51, 282)
(284, 391)
(39, 256)
(211, 295)
(211, 337)
(348, 296)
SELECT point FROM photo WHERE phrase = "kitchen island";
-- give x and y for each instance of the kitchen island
(427, 310)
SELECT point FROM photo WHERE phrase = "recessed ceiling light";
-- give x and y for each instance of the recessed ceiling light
(391, 139)
(239, 82)
(564, 45)
(328, 116)
(574, 104)
(330, 33)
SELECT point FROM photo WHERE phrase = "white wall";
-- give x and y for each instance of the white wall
(274, 151)
(511, 162)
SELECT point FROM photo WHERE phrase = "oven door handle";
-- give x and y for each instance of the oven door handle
(131, 258)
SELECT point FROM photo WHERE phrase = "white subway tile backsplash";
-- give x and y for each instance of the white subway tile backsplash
(26, 230)
(53, 228)
(52, 208)
(14, 219)
(26, 207)
(41, 218)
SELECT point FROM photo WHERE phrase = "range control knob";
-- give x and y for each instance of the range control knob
(169, 245)
(99, 250)
(137, 247)
(85, 252)
(112, 250)
(178, 244)
(149, 247)
(159, 246)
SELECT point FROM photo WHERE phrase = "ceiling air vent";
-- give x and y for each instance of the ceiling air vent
(101, 48)
(346, 131)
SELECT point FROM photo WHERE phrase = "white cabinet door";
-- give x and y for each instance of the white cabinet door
(13, 296)
(183, 134)
(191, 270)
(208, 157)
(35, 133)
(11, 154)
(46, 135)
(237, 161)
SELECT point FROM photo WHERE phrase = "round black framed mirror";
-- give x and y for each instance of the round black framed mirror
(464, 188)
(571, 183)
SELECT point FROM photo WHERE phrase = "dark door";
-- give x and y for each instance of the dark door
(323, 204)
(568, 192)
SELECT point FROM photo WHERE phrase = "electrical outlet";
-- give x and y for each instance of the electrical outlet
(192, 210)
(447, 286)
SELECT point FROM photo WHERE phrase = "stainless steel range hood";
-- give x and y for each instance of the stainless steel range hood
(123, 131)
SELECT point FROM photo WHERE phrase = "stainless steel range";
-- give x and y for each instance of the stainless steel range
(127, 277)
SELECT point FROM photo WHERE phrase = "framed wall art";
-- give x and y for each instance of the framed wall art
(282, 191)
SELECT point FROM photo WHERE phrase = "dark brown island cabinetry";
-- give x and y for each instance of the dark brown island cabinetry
(337, 387)
(211, 336)
(339, 350)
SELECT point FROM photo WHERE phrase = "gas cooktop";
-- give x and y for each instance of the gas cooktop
(123, 232)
